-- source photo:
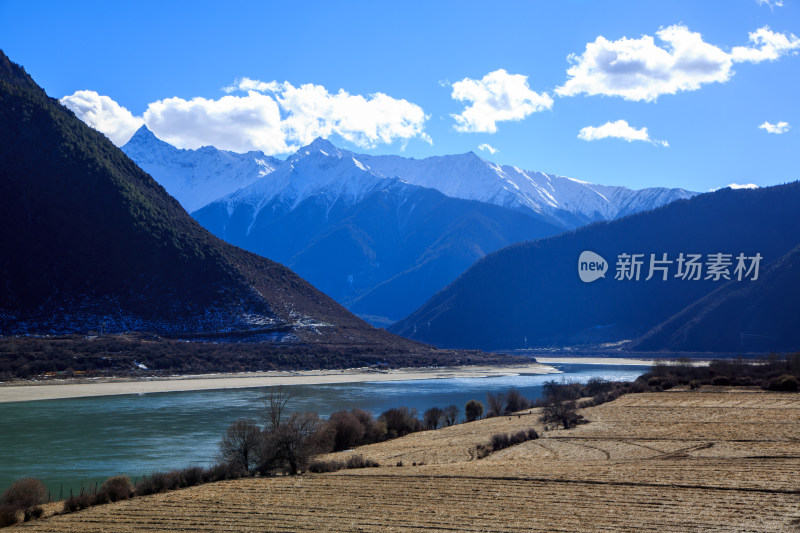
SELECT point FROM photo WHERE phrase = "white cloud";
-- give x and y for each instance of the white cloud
(271, 116)
(768, 46)
(496, 97)
(365, 121)
(780, 127)
(103, 114)
(488, 148)
(641, 70)
(618, 130)
(239, 123)
(771, 3)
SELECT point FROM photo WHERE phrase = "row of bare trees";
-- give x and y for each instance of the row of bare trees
(286, 442)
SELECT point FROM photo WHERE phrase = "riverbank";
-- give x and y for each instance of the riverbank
(31, 391)
(618, 361)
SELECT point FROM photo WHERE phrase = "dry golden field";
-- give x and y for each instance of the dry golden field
(673, 461)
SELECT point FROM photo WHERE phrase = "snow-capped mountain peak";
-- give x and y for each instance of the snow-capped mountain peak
(318, 146)
(196, 177)
(319, 170)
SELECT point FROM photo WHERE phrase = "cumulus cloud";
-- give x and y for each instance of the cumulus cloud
(103, 114)
(275, 117)
(496, 97)
(767, 46)
(618, 130)
(488, 148)
(771, 3)
(642, 70)
(780, 127)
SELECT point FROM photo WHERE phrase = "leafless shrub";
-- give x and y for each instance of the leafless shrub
(319, 467)
(358, 461)
(192, 476)
(9, 515)
(114, 489)
(24, 493)
(76, 503)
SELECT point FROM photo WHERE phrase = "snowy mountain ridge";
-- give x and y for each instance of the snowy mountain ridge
(470, 177)
(199, 177)
(196, 177)
(322, 170)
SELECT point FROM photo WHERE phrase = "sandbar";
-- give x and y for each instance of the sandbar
(591, 360)
(110, 387)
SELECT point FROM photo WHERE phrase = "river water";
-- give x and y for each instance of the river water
(70, 442)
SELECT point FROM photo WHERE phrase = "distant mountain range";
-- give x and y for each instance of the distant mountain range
(92, 242)
(530, 294)
(379, 234)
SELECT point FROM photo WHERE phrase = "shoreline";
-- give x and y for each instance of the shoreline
(113, 387)
(590, 360)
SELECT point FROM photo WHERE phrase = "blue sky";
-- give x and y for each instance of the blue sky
(565, 87)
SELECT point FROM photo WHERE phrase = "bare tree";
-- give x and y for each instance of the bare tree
(292, 444)
(432, 417)
(400, 421)
(274, 407)
(451, 415)
(515, 401)
(496, 404)
(347, 428)
(560, 406)
(240, 443)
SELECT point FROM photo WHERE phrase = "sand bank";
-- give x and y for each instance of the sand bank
(594, 361)
(52, 391)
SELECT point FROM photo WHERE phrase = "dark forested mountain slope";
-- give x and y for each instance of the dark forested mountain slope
(91, 242)
(762, 316)
(530, 294)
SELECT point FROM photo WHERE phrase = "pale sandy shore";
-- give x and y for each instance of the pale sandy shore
(594, 361)
(53, 391)
(621, 361)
